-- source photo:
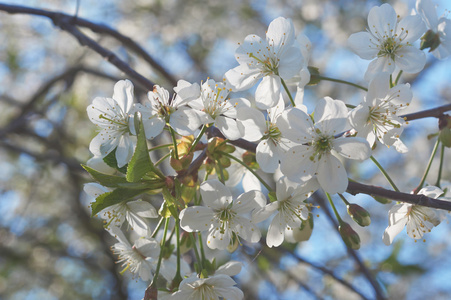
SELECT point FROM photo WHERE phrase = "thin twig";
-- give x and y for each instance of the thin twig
(352, 252)
(434, 112)
(355, 188)
(97, 28)
(65, 22)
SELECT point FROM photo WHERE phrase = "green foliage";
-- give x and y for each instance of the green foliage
(105, 179)
(111, 198)
(111, 161)
(140, 164)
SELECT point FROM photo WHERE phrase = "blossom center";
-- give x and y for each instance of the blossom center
(268, 65)
(389, 48)
(272, 132)
(321, 145)
(291, 211)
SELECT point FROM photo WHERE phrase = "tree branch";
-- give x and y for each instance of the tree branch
(355, 188)
(66, 23)
(434, 112)
(363, 269)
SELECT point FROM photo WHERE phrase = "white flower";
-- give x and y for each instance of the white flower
(272, 59)
(272, 144)
(439, 29)
(418, 219)
(389, 42)
(239, 173)
(161, 110)
(212, 288)
(132, 211)
(223, 216)
(316, 154)
(303, 77)
(140, 258)
(98, 164)
(290, 207)
(115, 118)
(377, 116)
(213, 107)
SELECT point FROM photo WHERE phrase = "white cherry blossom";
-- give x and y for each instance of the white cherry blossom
(140, 258)
(160, 110)
(272, 144)
(389, 42)
(114, 116)
(213, 107)
(418, 219)
(223, 217)
(272, 58)
(290, 209)
(316, 154)
(216, 287)
(132, 211)
(377, 117)
(439, 31)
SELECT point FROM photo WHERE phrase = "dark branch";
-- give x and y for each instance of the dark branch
(363, 268)
(434, 112)
(355, 188)
(66, 23)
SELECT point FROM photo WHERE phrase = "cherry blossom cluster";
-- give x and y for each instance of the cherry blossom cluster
(303, 150)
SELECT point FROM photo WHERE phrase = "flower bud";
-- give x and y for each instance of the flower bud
(349, 236)
(360, 215)
(314, 76)
(445, 130)
(430, 40)
(182, 163)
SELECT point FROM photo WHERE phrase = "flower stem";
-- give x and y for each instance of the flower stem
(397, 78)
(196, 252)
(333, 208)
(201, 133)
(160, 147)
(344, 199)
(160, 258)
(221, 172)
(250, 170)
(201, 246)
(157, 228)
(440, 169)
(342, 81)
(423, 179)
(393, 185)
(162, 159)
(174, 141)
(288, 92)
(178, 276)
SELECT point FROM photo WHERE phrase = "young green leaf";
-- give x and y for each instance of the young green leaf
(111, 198)
(140, 164)
(105, 179)
(111, 161)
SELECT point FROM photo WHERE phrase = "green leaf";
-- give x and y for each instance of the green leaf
(111, 161)
(111, 198)
(105, 179)
(140, 164)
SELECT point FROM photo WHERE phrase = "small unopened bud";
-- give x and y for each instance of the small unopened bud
(182, 163)
(445, 130)
(314, 76)
(430, 40)
(349, 236)
(360, 215)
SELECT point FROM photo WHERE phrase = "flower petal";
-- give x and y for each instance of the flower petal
(332, 175)
(215, 194)
(353, 148)
(268, 92)
(196, 218)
